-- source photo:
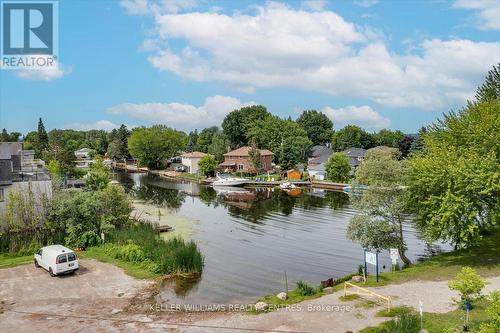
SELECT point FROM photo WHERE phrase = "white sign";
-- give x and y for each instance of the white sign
(394, 256)
(421, 307)
(371, 258)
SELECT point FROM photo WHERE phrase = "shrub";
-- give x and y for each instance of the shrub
(468, 283)
(493, 311)
(404, 323)
(305, 289)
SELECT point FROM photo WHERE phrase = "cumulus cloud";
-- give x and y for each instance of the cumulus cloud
(487, 12)
(105, 125)
(319, 51)
(363, 116)
(44, 73)
(182, 116)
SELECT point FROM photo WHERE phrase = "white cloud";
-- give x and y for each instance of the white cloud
(363, 116)
(44, 73)
(365, 3)
(488, 12)
(143, 7)
(318, 51)
(314, 5)
(182, 116)
(105, 125)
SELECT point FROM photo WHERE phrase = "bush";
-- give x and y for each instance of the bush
(468, 283)
(493, 311)
(404, 323)
(306, 290)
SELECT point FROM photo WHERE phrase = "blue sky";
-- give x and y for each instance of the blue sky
(394, 64)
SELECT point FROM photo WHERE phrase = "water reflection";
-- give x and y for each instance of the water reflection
(250, 237)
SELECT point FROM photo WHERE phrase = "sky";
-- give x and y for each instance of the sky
(186, 64)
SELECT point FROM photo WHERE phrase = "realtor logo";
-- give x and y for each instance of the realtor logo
(29, 34)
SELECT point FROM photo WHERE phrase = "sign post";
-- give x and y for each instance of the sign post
(421, 310)
(394, 257)
(372, 258)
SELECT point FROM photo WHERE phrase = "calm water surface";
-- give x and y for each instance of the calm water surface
(251, 237)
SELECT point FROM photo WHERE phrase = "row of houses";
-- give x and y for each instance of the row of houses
(239, 160)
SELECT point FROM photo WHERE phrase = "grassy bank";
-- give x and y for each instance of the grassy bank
(436, 322)
(8, 260)
(483, 258)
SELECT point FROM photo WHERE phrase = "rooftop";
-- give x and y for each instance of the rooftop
(243, 151)
(193, 154)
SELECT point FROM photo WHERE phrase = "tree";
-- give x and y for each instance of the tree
(338, 168)
(405, 144)
(219, 146)
(318, 126)
(255, 159)
(493, 312)
(60, 151)
(388, 138)
(382, 204)
(468, 283)
(454, 184)
(98, 176)
(192, 140)
(285, 138)
(9, 137)
(205, 138)
(237, 123)
(41, 143)
(490, 89)
(417, 145)
(207, 165)
(151, 146)
(118, 147)
(352, 136)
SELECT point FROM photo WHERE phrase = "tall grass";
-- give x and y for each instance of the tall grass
(141, 243)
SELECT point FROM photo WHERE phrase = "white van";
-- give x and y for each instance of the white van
(56, 259)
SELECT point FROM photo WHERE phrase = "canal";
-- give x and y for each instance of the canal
(251, 237)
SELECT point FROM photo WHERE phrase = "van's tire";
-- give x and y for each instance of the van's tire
(50, 272)
(36, 264)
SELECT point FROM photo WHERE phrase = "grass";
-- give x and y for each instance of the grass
(134, 269)
(436, 322)
(348, 298)
(483, 258)
(395, 311)
(190, 176)
(8, 260)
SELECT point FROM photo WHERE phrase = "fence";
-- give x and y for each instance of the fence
(366, 292)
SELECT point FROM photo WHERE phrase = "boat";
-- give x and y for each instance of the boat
(287, 186)
(229, 181)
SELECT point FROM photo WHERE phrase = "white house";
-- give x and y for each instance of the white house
(190, 160)
(83, 159)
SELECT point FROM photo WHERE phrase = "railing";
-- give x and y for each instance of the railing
(366, 292)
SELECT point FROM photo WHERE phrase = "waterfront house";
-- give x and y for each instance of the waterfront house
(316, 163)
(239, 160)
(355, 156)
(190, 161)
(317, 171)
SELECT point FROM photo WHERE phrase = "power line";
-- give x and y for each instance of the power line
(148, 322)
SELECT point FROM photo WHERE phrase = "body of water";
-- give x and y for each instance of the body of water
(251, 237)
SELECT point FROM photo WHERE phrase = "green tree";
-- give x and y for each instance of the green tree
(338, 168)
(151, 146)
(205, 138)
(98, 176)
(255, 159)
(382, 204)
(207, 164)
(41, 143)
(405, 144)
(490, 89)
(352, 136)
(118, 147)
(318, 126)
(468, 283)
(454, 184)
(219, 146)
(493, 311)
(237, 123)
(388, 138)
(61, 152)
(192, 141)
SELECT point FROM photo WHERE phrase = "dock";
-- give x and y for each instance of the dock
(328, 185)
(163, 228)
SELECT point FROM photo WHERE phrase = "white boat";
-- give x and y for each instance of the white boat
(229, 181)
(287, 186)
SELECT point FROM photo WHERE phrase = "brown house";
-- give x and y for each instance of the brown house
(239, 160)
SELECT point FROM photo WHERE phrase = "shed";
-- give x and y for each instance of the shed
(293, 174)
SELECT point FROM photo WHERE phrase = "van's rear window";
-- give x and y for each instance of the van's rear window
(71, 257)
(61, 259)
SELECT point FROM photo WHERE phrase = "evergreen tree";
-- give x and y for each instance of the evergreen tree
(42, 139)
(490, 89)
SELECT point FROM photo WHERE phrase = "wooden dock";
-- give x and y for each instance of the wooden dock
(163, 228)
(328, 185)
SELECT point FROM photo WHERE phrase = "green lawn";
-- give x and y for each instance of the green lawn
(443, 322)
(483, 258)
(8, 260)
(135, 270)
